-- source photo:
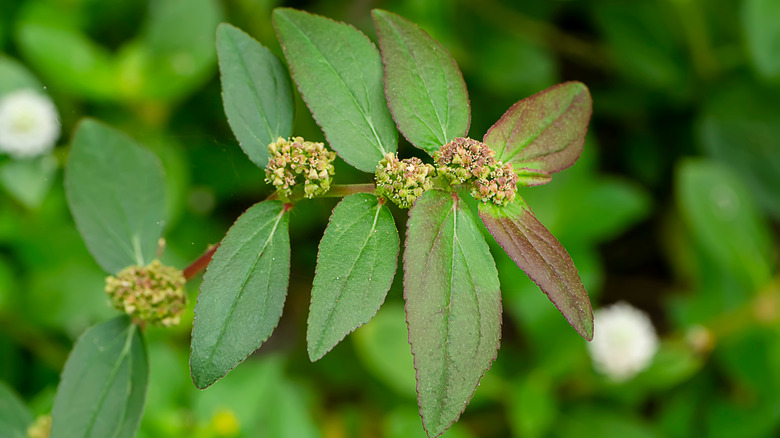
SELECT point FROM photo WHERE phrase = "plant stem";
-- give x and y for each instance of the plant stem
(199, 264)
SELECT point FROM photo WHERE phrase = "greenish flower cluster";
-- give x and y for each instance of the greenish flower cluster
(403, 181)
(40, 428)
(465, 160)
(499, 187)
(152, 293)
(295, 159)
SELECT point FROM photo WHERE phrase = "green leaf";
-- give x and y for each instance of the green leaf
(69, 60)
(543, 259)
(255, 91)
(14, 76)
(759, 21)
(719, 211)
(355, 267)
(339, 74)
(116, 193)
(14, 415)
(243, 292)
(29, 180)
(103, 386)
(545, 131)
(453, 306)
(424, 87)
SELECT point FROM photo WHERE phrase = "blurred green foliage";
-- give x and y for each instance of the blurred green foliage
(674, 207)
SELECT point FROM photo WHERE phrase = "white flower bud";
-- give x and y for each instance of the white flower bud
(624, 341)
(28, 124)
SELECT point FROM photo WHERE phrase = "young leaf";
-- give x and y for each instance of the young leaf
(339, 74)
(14, 415)
(545, 131)
(103, 386)
(355, 267)
(424, 87)
(543, 259)
(242, 294)
(453, 306)
(255, 91)
(116, 193)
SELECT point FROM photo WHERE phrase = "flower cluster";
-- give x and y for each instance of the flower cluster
(28, 124)
(152, 293)
(295, 159)
(624, 341)
(403, 181)
(467, 160)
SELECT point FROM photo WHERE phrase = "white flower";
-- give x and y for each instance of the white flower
(28, 124)
(624, 341)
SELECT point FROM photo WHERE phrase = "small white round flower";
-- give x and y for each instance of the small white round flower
(624, 341)
(28, 124)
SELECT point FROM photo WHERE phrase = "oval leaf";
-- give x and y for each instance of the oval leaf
(545, 131)
(543, 259)
(339, 74)
(453, 306)
(355, 268)
(424, 87)
(103, 386)
(762, 34)
(14, 415)
(116, 193)
(242, 294)
(256, 92)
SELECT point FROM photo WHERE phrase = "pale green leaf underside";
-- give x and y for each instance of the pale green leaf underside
(453, 306)
(338, 71)
(242, 294)
(256, 92)
(355, 267)
(116, 193)
(103, 386)
(424, 87)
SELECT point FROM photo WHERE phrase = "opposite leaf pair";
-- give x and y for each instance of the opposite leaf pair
(451, 285)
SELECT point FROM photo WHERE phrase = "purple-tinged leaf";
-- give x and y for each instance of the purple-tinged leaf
(545, 131)
(424, 87)
(543, 259)
(453, 306)
(532, 177)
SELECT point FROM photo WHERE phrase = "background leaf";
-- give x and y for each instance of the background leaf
(256, 92)
(545, 131)
(14, 76)
(453, 306)
(543, 259)
(14, 415)
(29, 180)
(116, 193)
(103, 386)
(759, 22)
(339, 74)
(425, 90)
(356, 264)
(242, 294)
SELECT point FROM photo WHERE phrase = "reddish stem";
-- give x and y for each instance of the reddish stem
(199, 264)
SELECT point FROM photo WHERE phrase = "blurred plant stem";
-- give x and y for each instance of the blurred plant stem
(542, 33)
(693, 23)
(30, 337)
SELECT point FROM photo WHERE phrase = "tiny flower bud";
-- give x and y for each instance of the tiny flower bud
(153, 293)
(464, 159)
(403, 181)
(40, 428)
(499, 185)
(295, 160)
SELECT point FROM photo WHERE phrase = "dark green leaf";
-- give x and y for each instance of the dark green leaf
(255, 91)
(759, 21)
(424, 87)
(116, 193)
(103, 386)
(453, 306)
(339, 74)
(14, 415)
(719, 211)
(355, 266)
(543, 259)
(242, 294)
(545, 131)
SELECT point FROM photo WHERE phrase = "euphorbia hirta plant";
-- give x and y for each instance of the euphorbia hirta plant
(361, 96)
